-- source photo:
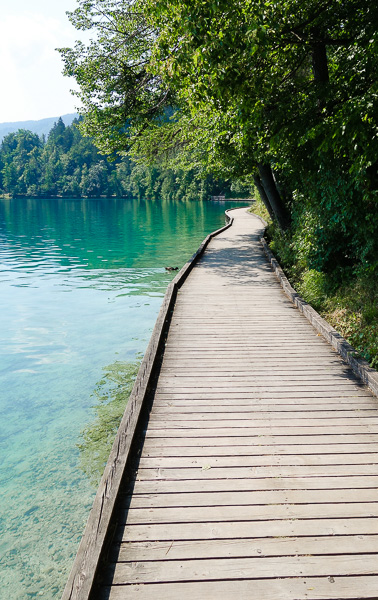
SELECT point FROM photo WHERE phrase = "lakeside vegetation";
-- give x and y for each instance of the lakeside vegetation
(348, 303)
(68, 164)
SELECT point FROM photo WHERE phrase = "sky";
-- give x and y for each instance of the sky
(31, 81)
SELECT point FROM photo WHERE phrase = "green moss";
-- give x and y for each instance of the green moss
(112, 393)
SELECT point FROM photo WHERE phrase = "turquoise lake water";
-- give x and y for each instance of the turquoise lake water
(81, 284)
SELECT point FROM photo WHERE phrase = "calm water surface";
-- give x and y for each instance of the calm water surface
(81, 283)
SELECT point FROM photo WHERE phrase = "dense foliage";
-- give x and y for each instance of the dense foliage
(69, 164)
(283, 92)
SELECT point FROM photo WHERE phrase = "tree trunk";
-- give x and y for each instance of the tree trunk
(263, 196)
(321, 73)
(320, 63)
(275, 200)
(282, 188)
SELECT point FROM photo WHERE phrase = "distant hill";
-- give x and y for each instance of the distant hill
(43, 126)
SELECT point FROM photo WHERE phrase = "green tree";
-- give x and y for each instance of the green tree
(284, 91)
(21, 162)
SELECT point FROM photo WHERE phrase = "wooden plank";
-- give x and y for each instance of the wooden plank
(270, 399)
(249, 451)
(256, 402)
(266, 440)
(257, 497)
(309, 420)
(245, 568)
(147, 462)
(241, 344)
(216, 413)
(256, 352)
(235, 513)
(238, 369)
(209, 331)
(287, 386)
(224, 367)
(247, 342)
(248, 529)
(250, 380)
(258, 394)
(169, 410)
(191, 432)
(323, 482)
(256, 472)
(309, 588)
(182, 549)
(250, 332)
(251, 363)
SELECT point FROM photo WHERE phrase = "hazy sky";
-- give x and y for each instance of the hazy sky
(31, 82)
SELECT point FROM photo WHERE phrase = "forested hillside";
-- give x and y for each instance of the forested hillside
(41, 126)
(69, 164)
(284, 92)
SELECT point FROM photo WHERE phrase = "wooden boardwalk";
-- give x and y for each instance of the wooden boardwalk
(258, 478)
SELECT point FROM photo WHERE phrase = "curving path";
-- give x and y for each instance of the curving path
(258, 477)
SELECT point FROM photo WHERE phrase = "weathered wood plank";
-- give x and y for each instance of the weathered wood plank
(147, 462)
(256, 472)
(258, 398)
(256, 387)
(246, 381)
(258, 364)
(246, 369)
(181, 550)
(254, 498)
(191, 432)
(261, 440)
(245, 568)
(175, 411)
(254, 483)
(236, 450)
(238, 370)
(331, 399)
(259, 394)
(248, 529)
(252, 422)
(309, 588)
(217, 514)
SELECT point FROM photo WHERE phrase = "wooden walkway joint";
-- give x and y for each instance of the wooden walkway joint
(258, 476)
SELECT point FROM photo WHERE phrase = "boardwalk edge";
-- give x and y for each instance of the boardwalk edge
(83, 573)
(361, 367)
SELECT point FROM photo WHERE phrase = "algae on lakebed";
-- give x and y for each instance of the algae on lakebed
(112, 393)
